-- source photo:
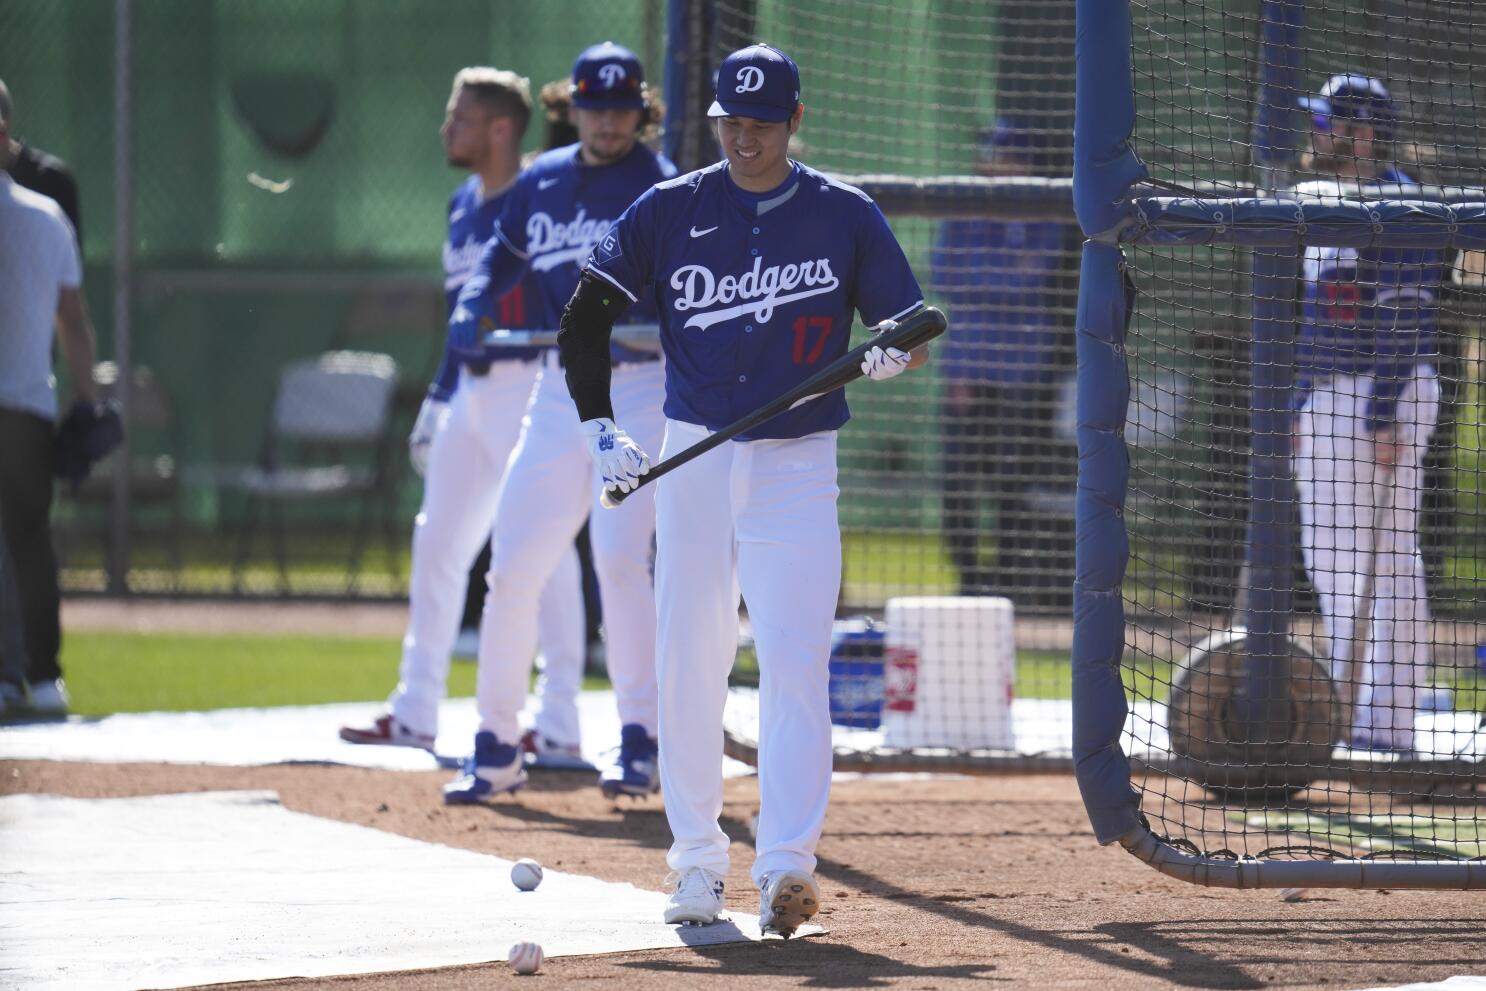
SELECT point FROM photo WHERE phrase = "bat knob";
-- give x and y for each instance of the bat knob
(610, 499)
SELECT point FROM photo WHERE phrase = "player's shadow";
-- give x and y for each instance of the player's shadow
(640, 822)
(644, 826)
(1273, 942)
(1193, 968)
(811, 962)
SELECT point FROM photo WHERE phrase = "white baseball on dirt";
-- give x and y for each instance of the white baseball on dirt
(526, 874)
(525, 958)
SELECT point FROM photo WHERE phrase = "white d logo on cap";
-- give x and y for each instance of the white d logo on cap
(611, 74)
(750, 78)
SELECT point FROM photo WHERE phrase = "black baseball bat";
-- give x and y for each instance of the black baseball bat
(918, 328)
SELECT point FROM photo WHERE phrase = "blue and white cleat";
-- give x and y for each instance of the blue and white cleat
(637, 771)
(696, 897)
(494, 768)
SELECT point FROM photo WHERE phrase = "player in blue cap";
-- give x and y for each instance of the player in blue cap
(758, 264)
(1368, 400)
(561, 207)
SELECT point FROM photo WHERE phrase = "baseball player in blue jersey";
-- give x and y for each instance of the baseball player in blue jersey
(561, 207)
(461, 441)
(758, 264)
(1368, 399)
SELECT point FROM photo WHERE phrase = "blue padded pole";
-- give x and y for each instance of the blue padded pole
(1102, 547)
(688, 88)
(1262, 702)
(1280, 80)
(1104, 169)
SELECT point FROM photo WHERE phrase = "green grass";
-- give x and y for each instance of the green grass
(138, 672)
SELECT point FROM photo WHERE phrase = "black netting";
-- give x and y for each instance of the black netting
(1362, 737)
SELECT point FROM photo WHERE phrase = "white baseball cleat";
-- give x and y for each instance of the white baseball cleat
(790, 899)
(696, 899)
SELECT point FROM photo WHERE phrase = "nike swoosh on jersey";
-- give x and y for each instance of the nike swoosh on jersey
(697, 233)
(548, 183)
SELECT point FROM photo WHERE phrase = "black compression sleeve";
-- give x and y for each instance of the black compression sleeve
(583, 339)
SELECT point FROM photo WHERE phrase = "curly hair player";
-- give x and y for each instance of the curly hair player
(757, 263)
(561, 207)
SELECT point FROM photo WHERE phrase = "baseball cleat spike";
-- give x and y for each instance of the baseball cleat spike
(790, 899)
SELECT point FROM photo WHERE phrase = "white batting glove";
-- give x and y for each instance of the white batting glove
(619, 459)
(883, 363)
(432, 416)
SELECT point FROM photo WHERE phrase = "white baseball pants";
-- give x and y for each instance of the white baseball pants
(1350, 506)
(549, 489)
(465, 465)
(756, 517)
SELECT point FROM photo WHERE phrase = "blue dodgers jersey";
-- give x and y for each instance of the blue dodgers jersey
(1368, 310)
(561, 209)
(997, 281)
(756, 293)
(471, 224)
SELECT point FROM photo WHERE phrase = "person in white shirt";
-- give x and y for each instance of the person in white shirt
(40, 295)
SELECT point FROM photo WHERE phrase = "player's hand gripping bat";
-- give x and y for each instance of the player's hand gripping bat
(919, 327)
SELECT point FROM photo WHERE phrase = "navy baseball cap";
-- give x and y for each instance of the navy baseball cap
(759, 82)
(608, 77)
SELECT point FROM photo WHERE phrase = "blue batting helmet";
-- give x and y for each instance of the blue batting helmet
(1353, 96)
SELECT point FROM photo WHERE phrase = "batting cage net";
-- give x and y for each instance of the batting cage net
(1295, 321)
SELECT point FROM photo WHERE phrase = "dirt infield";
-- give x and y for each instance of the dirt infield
(927, 884)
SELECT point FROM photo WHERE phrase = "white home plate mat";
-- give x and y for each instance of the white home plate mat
(285, 734)
(178, 890)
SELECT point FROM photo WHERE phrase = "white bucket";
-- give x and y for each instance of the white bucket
(949, 664)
